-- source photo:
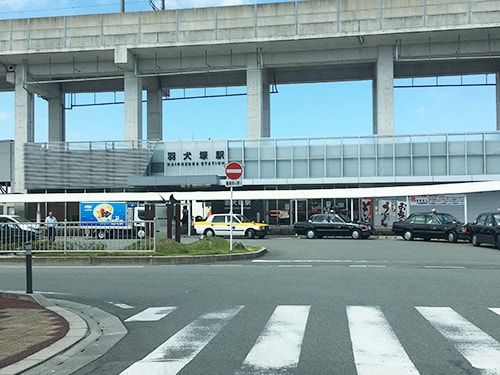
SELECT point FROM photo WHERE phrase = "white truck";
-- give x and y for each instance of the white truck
(112, 220)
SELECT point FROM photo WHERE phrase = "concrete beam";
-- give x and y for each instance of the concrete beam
(125, 59)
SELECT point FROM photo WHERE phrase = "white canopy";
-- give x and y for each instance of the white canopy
(241, 194)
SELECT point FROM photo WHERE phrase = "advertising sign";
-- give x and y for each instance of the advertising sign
(104, 214)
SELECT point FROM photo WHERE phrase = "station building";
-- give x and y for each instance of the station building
(381, 177)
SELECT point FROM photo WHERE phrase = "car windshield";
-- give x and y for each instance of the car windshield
(497, 218)
(447, 218)
(344, 218)
(22, 219)
(241, 218)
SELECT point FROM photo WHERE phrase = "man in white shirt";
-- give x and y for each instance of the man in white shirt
(51, 224)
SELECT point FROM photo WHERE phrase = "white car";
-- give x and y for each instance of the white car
(21, 222)
(220, 225)
(29, 228)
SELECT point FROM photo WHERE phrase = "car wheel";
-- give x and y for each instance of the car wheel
(209, 233)
(452, 236)
(475, 241)
(101, 234)
(141, 233)
(311, 233)
(408, 235)
(250, 234)
(356, 234)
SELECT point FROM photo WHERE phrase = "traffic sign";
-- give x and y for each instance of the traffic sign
(231, 183)
(234, 170)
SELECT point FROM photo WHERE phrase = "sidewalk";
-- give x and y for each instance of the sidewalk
(26, 328)
(33, 330)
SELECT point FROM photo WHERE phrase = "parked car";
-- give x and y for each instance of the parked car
(485, 229)
(321, 225)
(12, 233)
(429, 225)
(21, 222)
(220, 225)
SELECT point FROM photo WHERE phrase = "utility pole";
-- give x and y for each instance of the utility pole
(162, 4)
(122, 6)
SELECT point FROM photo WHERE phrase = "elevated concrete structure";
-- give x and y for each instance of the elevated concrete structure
(251, 45)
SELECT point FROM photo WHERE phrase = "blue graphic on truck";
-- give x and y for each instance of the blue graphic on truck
(103, 214)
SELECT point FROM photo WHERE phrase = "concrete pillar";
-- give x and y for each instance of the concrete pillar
(498, 99)
(383, 92)
(155, 115)
(133, 107)
(24, 126)
(57, 126)
(258, 101)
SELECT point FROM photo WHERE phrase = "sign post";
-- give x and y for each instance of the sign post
(234, 171)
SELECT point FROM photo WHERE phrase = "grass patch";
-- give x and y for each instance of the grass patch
(204, 246)
(164, 247)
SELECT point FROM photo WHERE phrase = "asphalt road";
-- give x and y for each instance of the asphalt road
(329, 306)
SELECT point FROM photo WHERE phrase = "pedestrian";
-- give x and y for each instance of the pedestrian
(185, 219)
(51, 224)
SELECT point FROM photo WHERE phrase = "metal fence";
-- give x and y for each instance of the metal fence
(80, 237)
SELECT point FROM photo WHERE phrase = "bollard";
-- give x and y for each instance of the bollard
(29, 269)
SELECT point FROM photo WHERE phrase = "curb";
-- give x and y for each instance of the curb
(77, 331)
(129, 260)
(92, 332)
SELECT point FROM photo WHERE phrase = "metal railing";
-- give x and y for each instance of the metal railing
(80, 237)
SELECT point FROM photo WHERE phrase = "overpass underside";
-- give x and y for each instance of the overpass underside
(254, 46)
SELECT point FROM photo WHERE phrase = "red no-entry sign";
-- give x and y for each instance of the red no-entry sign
(234, 170)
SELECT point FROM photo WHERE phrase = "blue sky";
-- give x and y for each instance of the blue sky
(306, 110)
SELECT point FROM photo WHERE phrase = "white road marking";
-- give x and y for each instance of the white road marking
(496, 310)
(151, 314)
(121, 305)
(175, 353)
(277, 349)
(294, 265)
(375, 346)
(313, 261)
(481, 350)
(366, 266)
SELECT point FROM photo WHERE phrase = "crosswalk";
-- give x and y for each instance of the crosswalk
(375, 346)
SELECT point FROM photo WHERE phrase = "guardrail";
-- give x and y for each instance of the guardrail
(77, 237)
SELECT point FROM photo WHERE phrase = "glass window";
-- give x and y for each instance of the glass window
(488, 221)
(447, 218)
(496, 218)
(431, 219)
(481, 219)
(219, 219)
(319, 219)
(418, 219)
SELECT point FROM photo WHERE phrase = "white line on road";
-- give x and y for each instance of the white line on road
(375, 346)
(480, 349)
(496, 310)
(294, 265)
(151, 314)
(121, 305)
(278, 347)
(313, 261)
(171, 356)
